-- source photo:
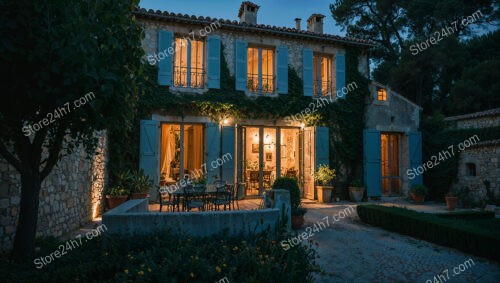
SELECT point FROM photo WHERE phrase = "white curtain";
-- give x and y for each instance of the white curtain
(167, 148)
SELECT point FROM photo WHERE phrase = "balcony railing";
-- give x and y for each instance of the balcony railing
(267, 83)
(324, 86)
(181, 77)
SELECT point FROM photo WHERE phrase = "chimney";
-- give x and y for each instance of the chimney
(315, 23)
(297, 23)
(248, 13)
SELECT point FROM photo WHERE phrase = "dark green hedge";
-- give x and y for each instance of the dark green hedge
(481, 240)
(468, 215)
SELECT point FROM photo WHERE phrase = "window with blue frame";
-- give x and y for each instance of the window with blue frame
(189, 69)
(260, 70)
(322, 75)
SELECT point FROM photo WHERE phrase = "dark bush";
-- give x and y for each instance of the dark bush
(472, 236)
(468, 215)
(290, 184)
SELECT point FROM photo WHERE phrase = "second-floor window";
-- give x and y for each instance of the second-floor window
(189, 70)
(322, 75)
(260, 70)
(381, 94)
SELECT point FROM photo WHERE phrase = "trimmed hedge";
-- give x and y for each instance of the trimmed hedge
(468, 215)
(460, 234)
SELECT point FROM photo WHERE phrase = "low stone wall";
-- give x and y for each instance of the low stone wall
(70, 196)
(134, 217)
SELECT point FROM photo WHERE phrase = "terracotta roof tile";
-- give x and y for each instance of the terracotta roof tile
(225, 23)
(490, 112)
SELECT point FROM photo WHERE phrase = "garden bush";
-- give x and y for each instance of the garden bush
(466, 235)
(468, 215)
(289, 184)
(163, 257)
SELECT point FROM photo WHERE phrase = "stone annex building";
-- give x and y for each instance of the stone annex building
(258, 56)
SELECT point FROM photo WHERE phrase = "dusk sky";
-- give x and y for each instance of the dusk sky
(277, 12)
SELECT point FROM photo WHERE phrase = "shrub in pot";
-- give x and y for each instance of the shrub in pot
(451, 201)
(323, 178)
(140, 185)
(291, 185)
(116, 196)
(418, 193)
(356, 190)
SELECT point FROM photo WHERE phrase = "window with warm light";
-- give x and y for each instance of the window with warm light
(260, 70)
(322, 73)
(381, 94)
(192, 74)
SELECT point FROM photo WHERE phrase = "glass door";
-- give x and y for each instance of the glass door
(391, 179)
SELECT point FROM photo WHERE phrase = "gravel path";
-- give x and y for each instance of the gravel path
(352, 251)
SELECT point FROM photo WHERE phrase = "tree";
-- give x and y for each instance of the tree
(54, 53)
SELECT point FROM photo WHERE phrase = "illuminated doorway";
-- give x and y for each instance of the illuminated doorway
(391, 177)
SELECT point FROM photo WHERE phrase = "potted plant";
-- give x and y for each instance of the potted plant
(116, 195)
(290, 184)
(324, 177)
(163, 179)
(418, 193)
(140, 185)
(451, 201)
(356, 190)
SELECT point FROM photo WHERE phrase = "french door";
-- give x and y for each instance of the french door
(391, 177)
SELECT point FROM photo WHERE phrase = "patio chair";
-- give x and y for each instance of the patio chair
(168, 199)
(223, 197)
(234, 196)
(194, 197)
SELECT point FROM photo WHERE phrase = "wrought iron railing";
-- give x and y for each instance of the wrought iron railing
(268, 82)
(197, 79)
(324, 86)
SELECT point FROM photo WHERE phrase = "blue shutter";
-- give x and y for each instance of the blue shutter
(228, 134)
(372, 163)
(322, 146)
(149, 151)
(213, 62)
(241, 65)
(282, 70)
(212, 149)
(307, 71)
(165, 65)
(340, 74)
(415, 144)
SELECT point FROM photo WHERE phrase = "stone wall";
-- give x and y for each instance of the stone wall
(229, 37)
(477, 123)
(70, 196)
(486, 157)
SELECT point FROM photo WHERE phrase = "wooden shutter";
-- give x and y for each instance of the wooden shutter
(149, 151)
(228, 143)
(282, 58)
(212, 150)
(214, 57)
(340, 75)
(307, 71)
(372, 162)
(165, 65)
(415, 146)
(322, 149)
(241, 65)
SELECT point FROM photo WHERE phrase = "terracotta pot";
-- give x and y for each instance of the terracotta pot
(356, 193)
(297, 221)
(417, 198)
(114, 201)
(140, 195)
(451, 203)
(324, 193)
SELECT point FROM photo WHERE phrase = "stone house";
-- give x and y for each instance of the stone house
(186, 50)
(252, 152)
(479, 159)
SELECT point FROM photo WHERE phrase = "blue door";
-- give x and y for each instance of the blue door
(372, 162)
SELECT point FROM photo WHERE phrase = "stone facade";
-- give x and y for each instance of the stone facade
(71, 196)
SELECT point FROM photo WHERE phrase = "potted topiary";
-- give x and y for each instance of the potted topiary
(290, 184)
(451, 201)
(324, 177)
(116, 195)
(140, 185)
(418, 193)
(356, 190)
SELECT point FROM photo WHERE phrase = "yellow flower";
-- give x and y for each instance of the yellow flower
(140, 272)
(149, 269)
(235, 248)
(126, 271)
(217, 269)
(225, 265)
(106, 254)
(191, 274)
